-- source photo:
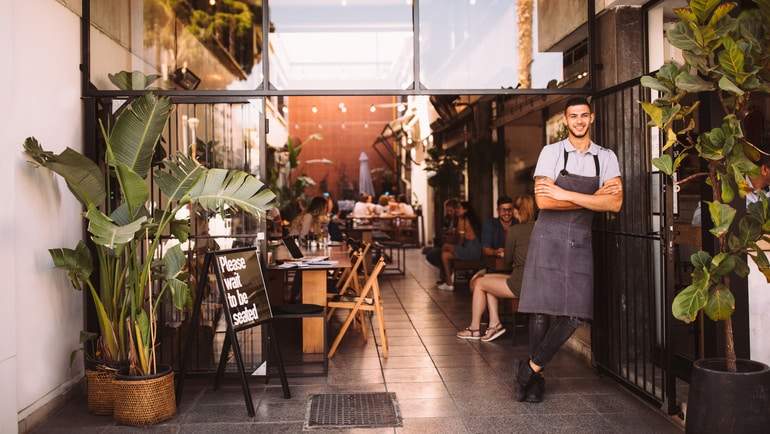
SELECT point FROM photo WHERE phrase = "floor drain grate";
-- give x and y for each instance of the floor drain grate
(352, 410)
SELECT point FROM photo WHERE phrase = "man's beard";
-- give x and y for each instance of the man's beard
(579, 136)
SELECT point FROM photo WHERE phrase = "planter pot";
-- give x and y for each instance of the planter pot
(145, 400)
(100, 390)
(728, 402)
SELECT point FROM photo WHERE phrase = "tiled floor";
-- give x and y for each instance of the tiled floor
(443, 384)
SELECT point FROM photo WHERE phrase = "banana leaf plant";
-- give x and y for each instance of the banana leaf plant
(728, 53)
(127, 240)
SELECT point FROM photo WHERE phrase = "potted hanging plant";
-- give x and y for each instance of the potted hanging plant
(128, 241)
(728, 53)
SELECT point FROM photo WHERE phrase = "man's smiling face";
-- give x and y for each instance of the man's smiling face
(578, 119)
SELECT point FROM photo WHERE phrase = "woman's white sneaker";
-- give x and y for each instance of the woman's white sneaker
(445, 287)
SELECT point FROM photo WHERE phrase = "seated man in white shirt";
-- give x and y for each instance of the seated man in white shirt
(404, 207)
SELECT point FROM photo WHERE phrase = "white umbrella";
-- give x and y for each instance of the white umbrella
(365, 184)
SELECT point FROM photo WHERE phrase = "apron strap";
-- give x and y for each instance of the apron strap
(596, 163)
(564, 167)
(566, 157)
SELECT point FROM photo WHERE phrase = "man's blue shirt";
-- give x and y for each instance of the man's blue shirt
(493, 234)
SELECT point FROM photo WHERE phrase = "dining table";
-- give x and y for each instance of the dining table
(313, 289)
(386, 224)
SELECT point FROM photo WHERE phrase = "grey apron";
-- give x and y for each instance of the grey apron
(559, 271)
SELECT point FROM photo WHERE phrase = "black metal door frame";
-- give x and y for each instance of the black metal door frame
(633, 251)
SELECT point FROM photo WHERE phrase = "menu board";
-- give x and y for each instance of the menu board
(242, 287)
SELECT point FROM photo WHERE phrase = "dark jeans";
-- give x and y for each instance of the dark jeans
(433, 256)
(547, 334)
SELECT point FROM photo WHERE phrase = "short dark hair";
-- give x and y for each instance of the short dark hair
(578, 100)
(451, 203)
(503, 200)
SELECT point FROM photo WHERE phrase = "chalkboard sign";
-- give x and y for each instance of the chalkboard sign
(242, 286)
(244, 295)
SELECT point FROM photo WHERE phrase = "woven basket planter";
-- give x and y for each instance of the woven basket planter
(101, 391)
(145, 400)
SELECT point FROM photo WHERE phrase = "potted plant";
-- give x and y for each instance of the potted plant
(128, 240)
(290, 187)
(727, 53)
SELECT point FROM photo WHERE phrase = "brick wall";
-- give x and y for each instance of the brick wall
(345, 135)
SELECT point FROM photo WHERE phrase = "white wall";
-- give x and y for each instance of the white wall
(759, 314)
(40, 325)
(419, 181)
(7, 269)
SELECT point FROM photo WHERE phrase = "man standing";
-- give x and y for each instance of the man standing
(574, 179)
(494, 231)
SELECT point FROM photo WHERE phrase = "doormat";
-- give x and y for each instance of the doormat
(352, 410)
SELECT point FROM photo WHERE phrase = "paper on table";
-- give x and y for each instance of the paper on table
(320, 263)
(290, 264)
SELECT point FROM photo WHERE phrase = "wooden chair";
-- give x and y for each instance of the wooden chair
(350, 283)
(368, 300)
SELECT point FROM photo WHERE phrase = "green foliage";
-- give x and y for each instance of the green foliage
(173, 268)
(236, 17)
(219, 189)
(106, 233)
(84, 178)
(728, 53)
(135, 80)
(447, 166)
(78, 264)
(127, 240)
(136, 132)
(290, 186)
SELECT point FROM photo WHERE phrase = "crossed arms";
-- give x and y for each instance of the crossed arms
(548, 195)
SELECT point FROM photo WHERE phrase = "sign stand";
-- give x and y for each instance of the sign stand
(242, 290)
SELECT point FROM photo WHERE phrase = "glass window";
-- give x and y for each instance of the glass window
(223, 135)
(341, 44)
(477, 44)
(193, 44)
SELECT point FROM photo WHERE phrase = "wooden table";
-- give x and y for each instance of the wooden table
(314, 289)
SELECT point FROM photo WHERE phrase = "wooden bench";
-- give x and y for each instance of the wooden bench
(464, 270)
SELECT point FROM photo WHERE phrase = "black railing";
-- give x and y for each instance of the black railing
(630, 330)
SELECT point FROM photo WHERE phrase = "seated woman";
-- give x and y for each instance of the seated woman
(313, 220)
(444, 236)
(487, 288)
(468, 247)
(381, 207)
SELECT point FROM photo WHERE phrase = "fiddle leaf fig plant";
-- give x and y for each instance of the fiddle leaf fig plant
(127, 240)
(726, 52)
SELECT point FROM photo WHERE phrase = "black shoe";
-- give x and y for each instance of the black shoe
(522, 379)
(537, 389)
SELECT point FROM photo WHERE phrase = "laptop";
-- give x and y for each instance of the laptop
(296, 253)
